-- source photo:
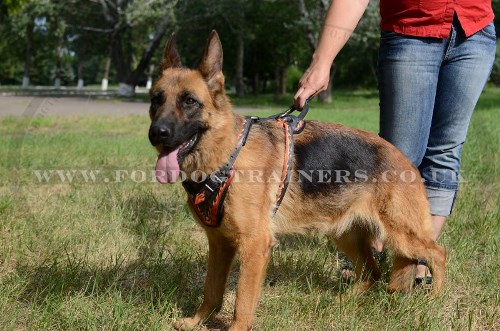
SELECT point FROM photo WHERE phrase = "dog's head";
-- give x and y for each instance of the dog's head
(186, 105)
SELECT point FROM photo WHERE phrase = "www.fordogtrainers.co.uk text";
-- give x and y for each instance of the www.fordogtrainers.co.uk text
(105, 176)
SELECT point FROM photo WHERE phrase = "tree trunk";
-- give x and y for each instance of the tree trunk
(264, 85)
(310, 37)
(128, 80)
(104, 83)
(123, 60)
(28, 55)
(240, 52)
(80, 74)
(57, 82)
(149, 84)
(256, 83)
(280, 82)
(126, 90)
(119, 59)
(26, 81)
(326, 95)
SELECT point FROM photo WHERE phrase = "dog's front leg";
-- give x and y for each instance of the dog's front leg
(220, 256)
(254, 256)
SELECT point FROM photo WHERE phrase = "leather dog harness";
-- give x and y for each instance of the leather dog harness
(207, 197)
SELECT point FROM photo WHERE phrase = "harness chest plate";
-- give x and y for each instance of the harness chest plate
(207, 201)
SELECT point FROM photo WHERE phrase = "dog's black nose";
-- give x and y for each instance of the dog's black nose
(159, 133)
(163, 132)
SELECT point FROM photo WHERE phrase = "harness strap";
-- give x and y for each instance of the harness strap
(207, 198)
(292, 125)
(287, 163)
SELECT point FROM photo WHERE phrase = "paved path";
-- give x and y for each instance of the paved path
(64, 106)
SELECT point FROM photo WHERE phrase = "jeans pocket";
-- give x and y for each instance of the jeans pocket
(489, 31)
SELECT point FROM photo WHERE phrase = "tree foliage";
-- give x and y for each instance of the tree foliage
(267, 43)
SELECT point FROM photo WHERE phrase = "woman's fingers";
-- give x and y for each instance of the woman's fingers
(302, 95)
(312, 82)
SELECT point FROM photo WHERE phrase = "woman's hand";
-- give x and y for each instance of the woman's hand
(314, 80)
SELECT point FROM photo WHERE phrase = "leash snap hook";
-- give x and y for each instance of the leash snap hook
(291, 109)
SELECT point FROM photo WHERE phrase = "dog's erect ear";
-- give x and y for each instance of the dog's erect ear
(211, 63)
(171, 58)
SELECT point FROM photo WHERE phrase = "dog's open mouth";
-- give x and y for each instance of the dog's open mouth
(167, 167)
(187, 146)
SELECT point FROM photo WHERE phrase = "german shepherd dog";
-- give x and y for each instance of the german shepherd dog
(195, 131)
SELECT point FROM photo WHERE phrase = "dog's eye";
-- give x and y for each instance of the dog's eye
(188, 101)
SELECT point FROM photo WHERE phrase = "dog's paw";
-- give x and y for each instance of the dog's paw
(185, 324)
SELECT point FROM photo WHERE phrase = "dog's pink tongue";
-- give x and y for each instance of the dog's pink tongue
(167, 167)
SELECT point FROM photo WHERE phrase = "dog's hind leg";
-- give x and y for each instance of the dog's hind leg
(220, 256)
(356, 243)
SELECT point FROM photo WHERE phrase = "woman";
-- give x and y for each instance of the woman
(435, 57)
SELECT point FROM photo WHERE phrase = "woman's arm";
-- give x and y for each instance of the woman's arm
(340, 21)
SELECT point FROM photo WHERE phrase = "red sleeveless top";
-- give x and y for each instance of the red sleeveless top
(433, 18)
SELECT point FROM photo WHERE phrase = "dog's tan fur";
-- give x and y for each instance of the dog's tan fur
(389, 209)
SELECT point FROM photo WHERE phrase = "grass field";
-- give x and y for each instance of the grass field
(110, 249)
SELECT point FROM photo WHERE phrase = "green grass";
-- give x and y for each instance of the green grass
(128, 256)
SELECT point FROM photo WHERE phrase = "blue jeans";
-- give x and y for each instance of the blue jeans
(428, 89)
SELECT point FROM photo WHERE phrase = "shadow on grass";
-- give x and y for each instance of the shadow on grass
(307, 262)
(168, 273)
(313, 263)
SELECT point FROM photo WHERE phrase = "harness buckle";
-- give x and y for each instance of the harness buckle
(215, 180)
(209, 188)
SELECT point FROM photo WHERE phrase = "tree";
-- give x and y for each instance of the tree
(356, 63)
(29, 24)
(10, 50)
(35, 43)
(275, 44)
(44, 41)
(88, 38)
(58, 30)
(133, 38)
(197, 18)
